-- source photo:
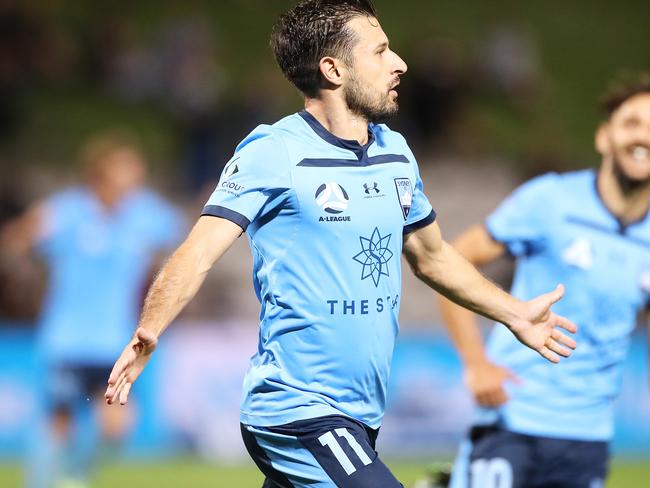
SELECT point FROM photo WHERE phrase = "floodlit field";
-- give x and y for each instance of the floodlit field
(181, 473)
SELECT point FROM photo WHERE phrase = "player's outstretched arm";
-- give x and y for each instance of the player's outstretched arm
(484, 379)
(21, 233)
(444, 269)
(175, 285)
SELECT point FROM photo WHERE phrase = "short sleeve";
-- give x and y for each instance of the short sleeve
(252, 181)
(521, 222)
(421, 212)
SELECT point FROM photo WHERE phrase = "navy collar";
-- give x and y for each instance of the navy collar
(623, 225)
(327, 136)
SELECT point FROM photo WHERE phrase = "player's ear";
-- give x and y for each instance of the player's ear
(602, 138)
(332, 70)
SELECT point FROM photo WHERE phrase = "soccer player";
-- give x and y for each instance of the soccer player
(98, 241)
(541, 426)
(329, 199)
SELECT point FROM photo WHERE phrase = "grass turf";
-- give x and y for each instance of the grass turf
(181, 473)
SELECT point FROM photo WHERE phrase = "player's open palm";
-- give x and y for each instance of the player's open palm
(540, 328)
(129, 365)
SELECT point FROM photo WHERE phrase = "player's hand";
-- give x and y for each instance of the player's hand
(486, 380)
(539, 327)
(129, 366)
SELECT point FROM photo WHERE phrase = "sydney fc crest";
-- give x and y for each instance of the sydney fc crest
(404, 195)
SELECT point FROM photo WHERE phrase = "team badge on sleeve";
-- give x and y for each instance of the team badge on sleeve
(231, 168)
(404, 195)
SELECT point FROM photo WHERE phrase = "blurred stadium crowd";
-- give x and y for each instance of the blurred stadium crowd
(190, 80)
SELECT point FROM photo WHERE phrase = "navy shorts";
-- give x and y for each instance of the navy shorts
(71, 384)
(318, 453)
(503, 459)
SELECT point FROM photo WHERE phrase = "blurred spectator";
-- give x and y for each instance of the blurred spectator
(438, 80)
(31, 49)
(180, 70)
(509, 62)
(99, 241)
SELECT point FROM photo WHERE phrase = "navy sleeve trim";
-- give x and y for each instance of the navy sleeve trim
(420, 223)
(491, 234)
(226, 213)
(508, 253)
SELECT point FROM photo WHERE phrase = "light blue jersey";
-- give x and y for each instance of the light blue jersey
(98, 261)
(560, 231)
(325, 219)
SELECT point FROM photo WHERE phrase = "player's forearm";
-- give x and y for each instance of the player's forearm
(182, 276)
(449, 273)
(176, 284)
(463, 329)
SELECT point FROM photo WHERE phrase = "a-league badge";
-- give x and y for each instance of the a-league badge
(404, 195)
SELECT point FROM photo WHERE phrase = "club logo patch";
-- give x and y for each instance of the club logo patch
(225, 184)
(230, 169)
(404, 195)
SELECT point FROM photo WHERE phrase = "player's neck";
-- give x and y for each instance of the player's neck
(106, 197)
(334, 115)
(627, 204)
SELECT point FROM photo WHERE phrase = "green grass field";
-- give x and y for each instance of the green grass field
(195, 474)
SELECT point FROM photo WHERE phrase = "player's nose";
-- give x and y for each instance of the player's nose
(400, 66)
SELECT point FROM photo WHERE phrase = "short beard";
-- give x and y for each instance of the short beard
(628, 185)
(361, 102)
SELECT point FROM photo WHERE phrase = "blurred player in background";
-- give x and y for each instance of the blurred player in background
(329, 199)
(541, 426)
(98, 241)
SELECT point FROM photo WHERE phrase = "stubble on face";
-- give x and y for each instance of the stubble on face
(374, 105)
(622, 158)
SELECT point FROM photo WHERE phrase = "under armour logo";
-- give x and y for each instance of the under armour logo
(374, 186)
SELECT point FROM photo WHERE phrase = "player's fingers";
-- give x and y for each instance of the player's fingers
(563, 339)
(118, 388)
(565, 323)
(500, 397)
(557, 348)
(110, 390)
(481, 399)
(124, 394)
(556, 294)
(120, 366)
(549, 355)
(491, 399)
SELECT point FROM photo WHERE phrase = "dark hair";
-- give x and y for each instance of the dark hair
(624, 88)
(311, 30)
(102, 145)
